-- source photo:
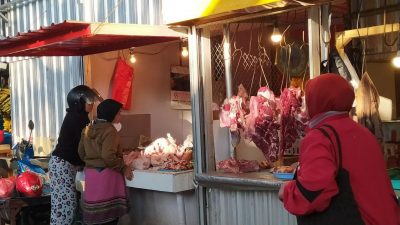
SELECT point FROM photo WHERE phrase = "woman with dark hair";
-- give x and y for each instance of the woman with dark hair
(65, 161)
(105, 192)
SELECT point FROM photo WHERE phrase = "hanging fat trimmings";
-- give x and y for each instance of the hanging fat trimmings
(367, 105)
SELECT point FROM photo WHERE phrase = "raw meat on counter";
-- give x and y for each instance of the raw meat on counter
(265, 164)
(162, 146)
(137, 160)
(178, 165)
(164, 153)
(141, 163)
(283, 169)
(238, 165)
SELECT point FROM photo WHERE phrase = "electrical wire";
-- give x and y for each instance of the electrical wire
(106, 18)
(136, 53)
(384, 29)
(358, 17)
(155, 53)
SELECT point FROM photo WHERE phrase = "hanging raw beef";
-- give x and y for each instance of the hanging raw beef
(293, 117)
(262, 123)
(233, 110)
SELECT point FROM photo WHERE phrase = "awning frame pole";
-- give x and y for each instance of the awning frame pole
(228, 75)
(326, 36)
(313, 41)
(227, 61)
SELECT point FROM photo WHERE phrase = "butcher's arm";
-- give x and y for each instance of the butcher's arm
(315, 184)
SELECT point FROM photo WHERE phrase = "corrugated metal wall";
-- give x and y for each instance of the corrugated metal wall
(38, 89)
(3, 24)
(40, 85)
(124, 11)
(246, 208)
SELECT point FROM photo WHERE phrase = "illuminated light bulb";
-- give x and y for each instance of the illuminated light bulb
(185, 52)
(276, 36)
(396, 60)
(132, 58)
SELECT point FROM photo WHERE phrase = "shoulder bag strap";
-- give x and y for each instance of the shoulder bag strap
(339, 144)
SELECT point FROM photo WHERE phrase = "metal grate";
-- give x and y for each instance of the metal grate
(218, 70)
(217, 56)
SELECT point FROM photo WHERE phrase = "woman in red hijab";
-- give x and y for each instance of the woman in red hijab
(341, 178)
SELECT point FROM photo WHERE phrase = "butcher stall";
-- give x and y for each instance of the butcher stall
(248, 109)
(145, 68)
(248, 66)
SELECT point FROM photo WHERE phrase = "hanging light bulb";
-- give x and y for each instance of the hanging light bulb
(132, 57)
(185, 52)
(276, 36)
(396, 60)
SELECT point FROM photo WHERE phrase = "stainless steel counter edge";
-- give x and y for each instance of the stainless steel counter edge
(245, 181)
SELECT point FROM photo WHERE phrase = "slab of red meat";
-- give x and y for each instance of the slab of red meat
(238, 166)
(262, 123)
(292, 121)
(246, 166)
(229, 166)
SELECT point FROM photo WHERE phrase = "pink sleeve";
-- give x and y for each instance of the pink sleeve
(316, 184)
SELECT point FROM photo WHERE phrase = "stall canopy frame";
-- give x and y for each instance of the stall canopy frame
(75, 38)
(345, 37)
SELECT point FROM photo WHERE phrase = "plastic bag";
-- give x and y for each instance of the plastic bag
(26, 165)
(7, 187)
(122, 83)
(29, 184)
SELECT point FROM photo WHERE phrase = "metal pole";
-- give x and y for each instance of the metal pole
(313, 39)
(228, 77)
(326, 35)
(197, 120)
(227, 61)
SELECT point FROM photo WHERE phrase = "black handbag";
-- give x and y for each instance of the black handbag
(343, 209)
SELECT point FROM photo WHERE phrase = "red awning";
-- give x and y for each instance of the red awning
(72, 38)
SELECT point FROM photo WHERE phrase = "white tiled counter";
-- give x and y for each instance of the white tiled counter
(162, 181)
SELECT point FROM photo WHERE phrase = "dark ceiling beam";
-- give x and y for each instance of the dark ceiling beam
(374, 12)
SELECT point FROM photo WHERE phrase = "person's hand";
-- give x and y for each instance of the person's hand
(281, 190)
(128, 172)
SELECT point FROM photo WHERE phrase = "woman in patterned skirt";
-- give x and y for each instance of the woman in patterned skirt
(105, 191)
(65, 161)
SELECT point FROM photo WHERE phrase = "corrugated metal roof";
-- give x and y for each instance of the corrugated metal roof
(72, 38)
(49, 79)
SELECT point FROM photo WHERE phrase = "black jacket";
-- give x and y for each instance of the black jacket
(70, 134)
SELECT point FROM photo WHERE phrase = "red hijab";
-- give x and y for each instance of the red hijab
(328, 92)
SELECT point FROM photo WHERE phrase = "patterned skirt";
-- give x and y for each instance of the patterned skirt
(104, 196)
(63, 191)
